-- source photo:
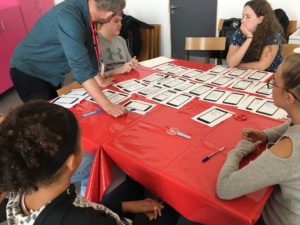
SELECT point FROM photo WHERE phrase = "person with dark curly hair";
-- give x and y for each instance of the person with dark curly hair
(40, 150)
(256, 44)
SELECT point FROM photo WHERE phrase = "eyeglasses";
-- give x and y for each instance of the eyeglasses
(271, 83)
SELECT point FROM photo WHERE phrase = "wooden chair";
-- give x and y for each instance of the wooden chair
(287, 49)
(68, 87)
(205, 44)
(220, 25)
(292, 27)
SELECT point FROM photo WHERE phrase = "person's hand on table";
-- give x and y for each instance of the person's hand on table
(134, 62)
(115, 110)
(105, 82)
(258, 137)
(150, 207)
(126, 68)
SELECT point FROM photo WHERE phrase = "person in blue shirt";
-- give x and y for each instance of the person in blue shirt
(256, 44)
(61, 41)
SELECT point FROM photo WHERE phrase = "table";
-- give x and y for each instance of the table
(171, 166)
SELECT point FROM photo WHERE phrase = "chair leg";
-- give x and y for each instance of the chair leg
(219, 60)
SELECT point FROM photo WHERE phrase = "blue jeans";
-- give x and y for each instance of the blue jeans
(83, 172)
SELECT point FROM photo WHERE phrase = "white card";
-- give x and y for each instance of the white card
(178, 101)
(238, 72)
(251, 103)
(234, 98)
(213, 96)
(149, 90)
(165, 67)
(218, 69)
(260, 76)
(178, 70)
(205, 77)
(153, 77)
(200, 89)
(212, 116)
(163, 95)
(192, 73)
(174, 82)
(222, 81)
(184, 86)
(243, 85)
(139, 107)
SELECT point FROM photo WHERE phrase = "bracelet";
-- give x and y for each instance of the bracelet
(250, 37)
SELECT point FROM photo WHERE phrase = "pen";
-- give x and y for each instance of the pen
(205, 159)
(91, 113)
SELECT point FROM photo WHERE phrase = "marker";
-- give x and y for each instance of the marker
(205, 159)
(91, 113)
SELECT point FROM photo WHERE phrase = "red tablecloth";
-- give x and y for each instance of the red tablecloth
(170, 166)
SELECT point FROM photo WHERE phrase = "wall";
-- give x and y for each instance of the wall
(157, 11)
(291, 7)
(153, 12)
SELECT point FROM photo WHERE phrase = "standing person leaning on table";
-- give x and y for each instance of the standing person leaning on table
(40, 150)
(256, 44)
(279, 164)
(115, 54)
(63, 41)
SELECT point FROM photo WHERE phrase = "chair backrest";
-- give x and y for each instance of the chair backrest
(205, 43)
(292, 27)
(220, 25)
(287, 49)
(68, 87)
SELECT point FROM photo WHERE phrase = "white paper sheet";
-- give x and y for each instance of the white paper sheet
(178, 101)
(155, 61)
(139, 107)
(259, 76)
(213, 116)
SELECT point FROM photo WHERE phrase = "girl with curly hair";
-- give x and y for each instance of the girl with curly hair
(40, 150)
(256, 44)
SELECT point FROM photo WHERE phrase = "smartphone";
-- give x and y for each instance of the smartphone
(258, 75)
(222, 80)
(201, 90)
(163, 96)
(237, 72)
(264, 90)
(214, 95)
(153, 77)
(149, 90)
(212, 115)
(65, 100)
(242, 85)
(254, 103)
(268, 108)
(137, 106)
(233, 98)
(179, 100)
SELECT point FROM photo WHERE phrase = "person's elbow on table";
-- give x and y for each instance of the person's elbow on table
(224, 191)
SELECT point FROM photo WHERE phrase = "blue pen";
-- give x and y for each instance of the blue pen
(206, 158)
(91, 113)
